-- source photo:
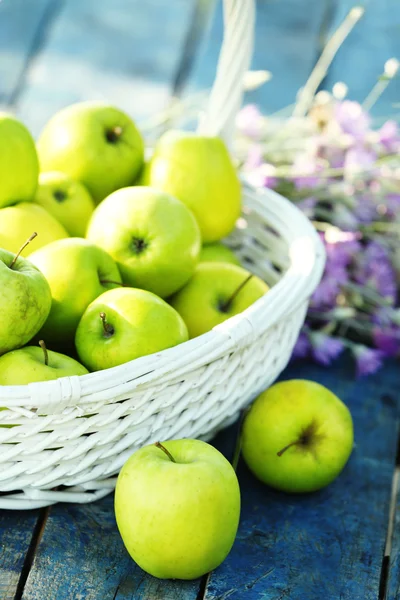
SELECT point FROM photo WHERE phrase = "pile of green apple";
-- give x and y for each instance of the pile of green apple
(104, 257)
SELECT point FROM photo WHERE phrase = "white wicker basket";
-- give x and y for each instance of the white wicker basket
(73, 435)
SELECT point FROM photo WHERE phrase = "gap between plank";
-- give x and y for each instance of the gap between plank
(30, 555)
(49, 15)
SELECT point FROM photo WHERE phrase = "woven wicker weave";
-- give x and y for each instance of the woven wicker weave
(73, 435)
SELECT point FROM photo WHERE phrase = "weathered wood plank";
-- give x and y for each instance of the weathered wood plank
(125, 53)
(21, 24)
(81, 555)
(393, 586)
(16, 529)
(286, 43)
(360, 60)
(329, 544)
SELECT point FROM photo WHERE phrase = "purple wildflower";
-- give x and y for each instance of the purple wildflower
(368, 361)
(359, 158)
(302, 347)
(387, 339)
(249, 121)
(255, 157)
(352, 119)
(325, 348)
(305, 169)
(389, 137)
(374, 269)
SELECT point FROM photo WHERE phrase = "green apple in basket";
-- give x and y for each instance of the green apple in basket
(126, 323)
(30, 364)
(199, 171)
(77, 272)
(177, 506)
(18, 162)
(216, 292)
(152, 236)
(297, 436)
(217, 252)
(25, 300)
(94, 143)
(67, 200)
(17, 222)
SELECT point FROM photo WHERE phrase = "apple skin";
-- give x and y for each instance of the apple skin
(67, 200)
(217, 252)
(199, 171)
(18, 222)
(25, 301)
(80, 141)
(27, 365)
(168, 230)
(280, 416)
(178, 520)
(19, 166)
(142, 322)
(74, 269)
(212, 284)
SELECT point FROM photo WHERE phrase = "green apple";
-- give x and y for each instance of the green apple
(177, 507)
(199, 171)
(94, 143)
(297, 436)
(19, 166)
(217, 252)
(216, 292)
(152, 236)
(123, 324)
(77, 272)
(17, 223)
(31, 364)
(67, 200)
(25, 301)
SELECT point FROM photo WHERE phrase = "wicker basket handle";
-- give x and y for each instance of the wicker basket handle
(234, 61)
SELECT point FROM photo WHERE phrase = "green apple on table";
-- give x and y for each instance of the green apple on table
(94, 143)
(19, 166)
(67, 200)
(25, 301)
(216, 292)
(17, 223)
(297, 436)
(34, 363)
(217, 252)
(177, 507)
(199, 171)
(77, 272)
(126, 323)
(152, 236)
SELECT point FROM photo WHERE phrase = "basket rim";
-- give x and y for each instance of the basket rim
(294, 287)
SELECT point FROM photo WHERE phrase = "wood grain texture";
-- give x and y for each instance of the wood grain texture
(329, 544)
(286, 43)
(393, 586)
(21, 23)
(16, 529)
(81, 556)
(121, 52)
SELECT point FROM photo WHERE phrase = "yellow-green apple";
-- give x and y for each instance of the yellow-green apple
(297, 436)
(25, 301)
(177, 507)
(18, 162)
(17, 223)
(67, 200)
(216, 292)
(31, 364)
(94, 143)
(217, 252)
(77, 272)
(123, 324)
(152, 236)
(199, 171)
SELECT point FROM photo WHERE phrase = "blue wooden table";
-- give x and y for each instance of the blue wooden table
(340, 543)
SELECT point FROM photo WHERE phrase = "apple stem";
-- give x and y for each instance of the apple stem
(226, 305)
(167, 452)
(16, 257)
(46, 354)
(287, 447)
(103, 281)
(108, 329)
